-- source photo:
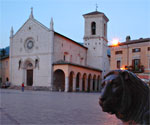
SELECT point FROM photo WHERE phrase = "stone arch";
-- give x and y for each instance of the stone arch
(89, 82)
(78, 77)
(27, 61)
(94, 82)
(71, 76)
(59, 80)
(84, 82)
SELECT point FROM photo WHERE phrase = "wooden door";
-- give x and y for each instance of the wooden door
(30, 77)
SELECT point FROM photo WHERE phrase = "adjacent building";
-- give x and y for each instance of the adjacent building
(133, 55)
(4, 65)
(40, 56)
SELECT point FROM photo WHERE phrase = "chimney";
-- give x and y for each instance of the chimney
(128, 38)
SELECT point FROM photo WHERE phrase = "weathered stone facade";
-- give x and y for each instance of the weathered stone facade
(36, 51)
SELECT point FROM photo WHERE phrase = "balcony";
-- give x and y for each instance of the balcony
(135, 69)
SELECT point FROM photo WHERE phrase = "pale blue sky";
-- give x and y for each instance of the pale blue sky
(126, 17)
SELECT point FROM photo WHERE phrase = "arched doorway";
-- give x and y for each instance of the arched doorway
(89, 83)
(29, 73)
(94, 82)
(71, 81)
(78, 82)
(59, 80)
(83, 82)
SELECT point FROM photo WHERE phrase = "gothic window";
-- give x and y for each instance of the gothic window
(93, 28)
(36, 63)
(19, 64)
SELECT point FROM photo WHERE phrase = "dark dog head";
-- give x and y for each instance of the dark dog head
(111, 94)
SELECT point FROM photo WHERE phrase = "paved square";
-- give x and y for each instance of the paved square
(52, 108)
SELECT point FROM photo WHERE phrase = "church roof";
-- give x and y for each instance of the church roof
(96, 13)
(93, 13)
(62, 62)
(71, 40)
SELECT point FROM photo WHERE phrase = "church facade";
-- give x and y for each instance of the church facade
(39, 56)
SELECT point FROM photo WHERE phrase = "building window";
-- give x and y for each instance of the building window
(93, 28)
(71, 58)
(64, 57)
(118, 64)
(148, 48)
(104, 29)
(118, 52)
(136, 64)
(136, 50)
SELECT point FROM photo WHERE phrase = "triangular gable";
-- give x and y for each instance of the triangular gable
(35, 21)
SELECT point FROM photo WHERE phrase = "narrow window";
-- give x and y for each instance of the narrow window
(93, 28)
(105, 30)
(148, 48)
(64, 57)
(118, 64)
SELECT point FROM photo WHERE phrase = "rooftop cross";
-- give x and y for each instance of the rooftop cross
(96, 6)
(31, 15)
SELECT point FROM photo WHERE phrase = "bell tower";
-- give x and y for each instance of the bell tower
(95, 39)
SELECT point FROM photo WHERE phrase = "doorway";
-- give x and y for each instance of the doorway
(30, 77)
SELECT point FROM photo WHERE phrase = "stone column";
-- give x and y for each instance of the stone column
(80, 85)
(91, 85)
(95, 85)
(66, 84)
(74, 84)
(86, 84)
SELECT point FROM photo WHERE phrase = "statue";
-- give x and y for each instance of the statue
(126, 96)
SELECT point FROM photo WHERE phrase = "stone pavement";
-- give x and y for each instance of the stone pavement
(52, 108)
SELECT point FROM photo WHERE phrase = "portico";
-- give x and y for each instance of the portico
(75, 78)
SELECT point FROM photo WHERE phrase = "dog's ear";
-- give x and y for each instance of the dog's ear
(125, 74)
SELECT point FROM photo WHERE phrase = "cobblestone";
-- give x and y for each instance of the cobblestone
(52, 108)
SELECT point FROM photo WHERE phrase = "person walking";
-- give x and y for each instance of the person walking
(22, 87)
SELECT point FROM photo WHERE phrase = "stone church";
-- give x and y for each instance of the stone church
(41, 57)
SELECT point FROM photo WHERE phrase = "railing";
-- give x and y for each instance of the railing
(135, 69)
